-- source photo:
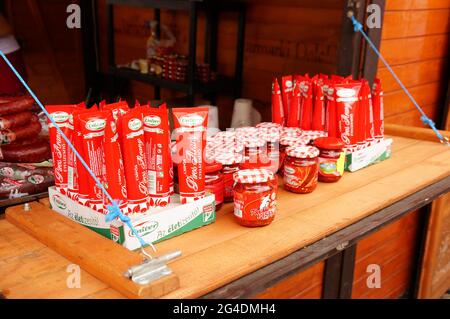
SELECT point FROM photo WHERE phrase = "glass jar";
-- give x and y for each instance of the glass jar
(230, 165)
(214, 182)
(254, 197)
(289, 141)
(301, 169)
(331, 159)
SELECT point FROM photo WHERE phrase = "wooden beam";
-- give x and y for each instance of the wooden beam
(370, 64)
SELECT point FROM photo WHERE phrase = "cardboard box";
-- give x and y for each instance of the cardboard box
(157, 225)
(368, 156)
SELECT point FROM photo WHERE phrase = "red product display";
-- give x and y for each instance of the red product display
(378, 109)
(307, 106)
(61, 115)
(214, 182)
(92, 126)
(230, 165)
(318, 121)
(331, 113)
(278, 115)
(347, 98)
(294, 112)
(287, 86)
(133, 151)
(331, 152)
(190, 125)
(254, 197)
(115, 173)
(159, 163)
(301, 169)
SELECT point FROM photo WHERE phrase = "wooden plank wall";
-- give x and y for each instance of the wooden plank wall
(285, 37)
(393, 249)
(415, 41)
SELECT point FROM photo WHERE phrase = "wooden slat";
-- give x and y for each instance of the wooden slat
(106, 260)
(397, 102)
(298, 285)
(407, 50)
(416, 4)
(403, 24)
(413, 74)
(425, 134)
(412, 117)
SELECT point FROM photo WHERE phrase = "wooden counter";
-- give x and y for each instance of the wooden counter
(227, 260)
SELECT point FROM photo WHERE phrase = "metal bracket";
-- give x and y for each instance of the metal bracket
(152, 269)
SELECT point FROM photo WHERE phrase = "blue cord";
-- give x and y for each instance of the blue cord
(114, 210)
(358, 27)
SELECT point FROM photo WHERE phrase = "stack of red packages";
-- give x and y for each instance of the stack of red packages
(342, 107)
(118, 148)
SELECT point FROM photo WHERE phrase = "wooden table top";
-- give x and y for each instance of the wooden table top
(224, 251)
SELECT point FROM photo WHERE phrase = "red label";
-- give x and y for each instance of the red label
(255, 207)
(218, 190)
(134, 157)
(300, 176)
(228, 184)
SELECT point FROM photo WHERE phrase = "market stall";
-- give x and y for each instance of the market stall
(308, 195)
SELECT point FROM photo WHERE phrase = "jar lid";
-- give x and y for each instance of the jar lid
(330, 143)
(268, 124)
(253, 141)
(228, 158)
(291, 131)
(213, 167)
(253, 176)
(246, 129)
(302, 151)
(315, 134)
(270, 136)
(294, 140)
(224, 135)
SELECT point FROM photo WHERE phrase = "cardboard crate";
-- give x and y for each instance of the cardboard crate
(154, 226)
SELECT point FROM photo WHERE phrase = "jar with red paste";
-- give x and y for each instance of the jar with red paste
(230, 165)
(301, 169)
(289, 141)
(331, 159)
(214, 182)
(254, 197)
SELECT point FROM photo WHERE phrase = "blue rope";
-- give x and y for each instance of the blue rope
(114, 210)
(358, 27)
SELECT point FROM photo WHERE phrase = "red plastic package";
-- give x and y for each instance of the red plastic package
(331, 117)
(133, 147)
(115, 173)
(294, 113)
(378, 109)
(347, 97)
(369, 134)
(278, 115)
(61, 114)
(318, 122)
(287, 86)
(159, 162)
(307, 106)
(92, 126)
(190, 125)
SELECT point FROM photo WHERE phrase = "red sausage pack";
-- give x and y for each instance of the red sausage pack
(92, 126)
(286, 92)
(294, 113)
(378, 109)
(190, 125)
(159, 163)
(278, 115)
(133, 147)
(61, 115)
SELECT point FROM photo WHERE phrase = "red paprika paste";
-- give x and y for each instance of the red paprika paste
(301, 169)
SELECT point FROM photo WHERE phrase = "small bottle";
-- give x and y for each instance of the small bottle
(301, 169)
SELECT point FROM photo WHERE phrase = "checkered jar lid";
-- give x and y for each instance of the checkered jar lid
(228, 158)
(253, 142)
(291, 131)
(302, 151)
(253, 176)
(294, 140)
(270, 136)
